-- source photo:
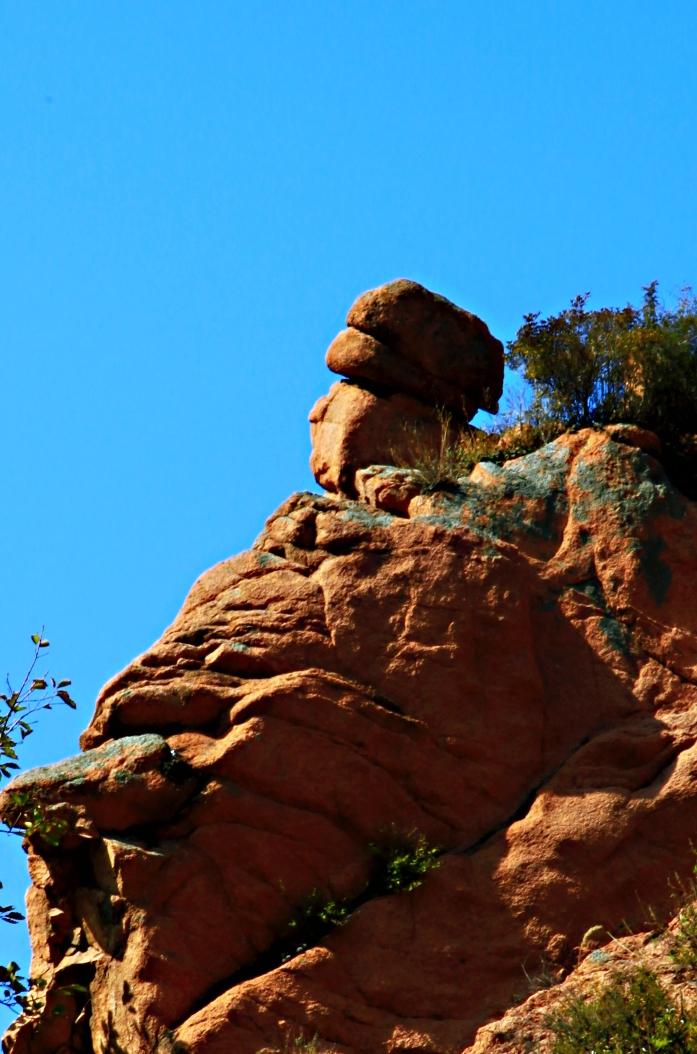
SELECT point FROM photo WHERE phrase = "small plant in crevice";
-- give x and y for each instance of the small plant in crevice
(631, 1014)
(314, 919)
(300, 1045)
(402, 862)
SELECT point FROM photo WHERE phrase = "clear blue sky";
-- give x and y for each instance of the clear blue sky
(191, 196)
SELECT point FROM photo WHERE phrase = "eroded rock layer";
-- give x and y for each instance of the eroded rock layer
(508, 667)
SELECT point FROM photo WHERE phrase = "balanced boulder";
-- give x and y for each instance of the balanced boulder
(353, 427)
(449, 346)
(413, 359)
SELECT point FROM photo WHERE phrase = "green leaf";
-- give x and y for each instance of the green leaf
(36, 639)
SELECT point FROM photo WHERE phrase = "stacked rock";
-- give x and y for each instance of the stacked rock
(412, 359)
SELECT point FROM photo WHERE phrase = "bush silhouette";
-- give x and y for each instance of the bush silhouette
(635, 365)
(626, 364)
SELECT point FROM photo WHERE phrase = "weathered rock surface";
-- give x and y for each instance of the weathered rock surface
(411, 357)
(440, 339)
(353, 428)
(508, 667)
(360, 356)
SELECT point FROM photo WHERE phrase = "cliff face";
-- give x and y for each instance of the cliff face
(507, 667)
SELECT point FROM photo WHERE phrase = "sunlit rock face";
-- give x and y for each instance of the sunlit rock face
(507, 667)
(413, 362)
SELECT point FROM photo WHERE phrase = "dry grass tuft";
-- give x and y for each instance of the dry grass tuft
(460, 446)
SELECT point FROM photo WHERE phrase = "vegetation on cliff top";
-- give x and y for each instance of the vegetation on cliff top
(585, 369)
(633, 1014)
(633, 365)
(613, 364)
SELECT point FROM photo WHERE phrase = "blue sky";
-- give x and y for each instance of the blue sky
(192, 195)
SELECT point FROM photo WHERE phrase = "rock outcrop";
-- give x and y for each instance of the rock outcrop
(506, 667)
(527, 1026)
(411, 357)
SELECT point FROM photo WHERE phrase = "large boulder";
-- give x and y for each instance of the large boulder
(507, 669)
(362, 358)
(353, 427)
(443, 341)
(414, 360)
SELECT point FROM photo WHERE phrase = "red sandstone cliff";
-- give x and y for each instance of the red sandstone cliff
(507, 666)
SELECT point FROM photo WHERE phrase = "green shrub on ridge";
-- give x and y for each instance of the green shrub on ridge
(632, 365)
(628, 364)
(586, 368)
(633, 1015)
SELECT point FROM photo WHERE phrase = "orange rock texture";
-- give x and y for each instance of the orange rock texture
(410, 357)
(506, 666)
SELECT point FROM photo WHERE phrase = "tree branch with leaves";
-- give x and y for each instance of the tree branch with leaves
(18, 708)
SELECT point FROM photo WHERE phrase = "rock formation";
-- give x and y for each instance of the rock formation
(411, 357)
(506, 667)
(526, 1025)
